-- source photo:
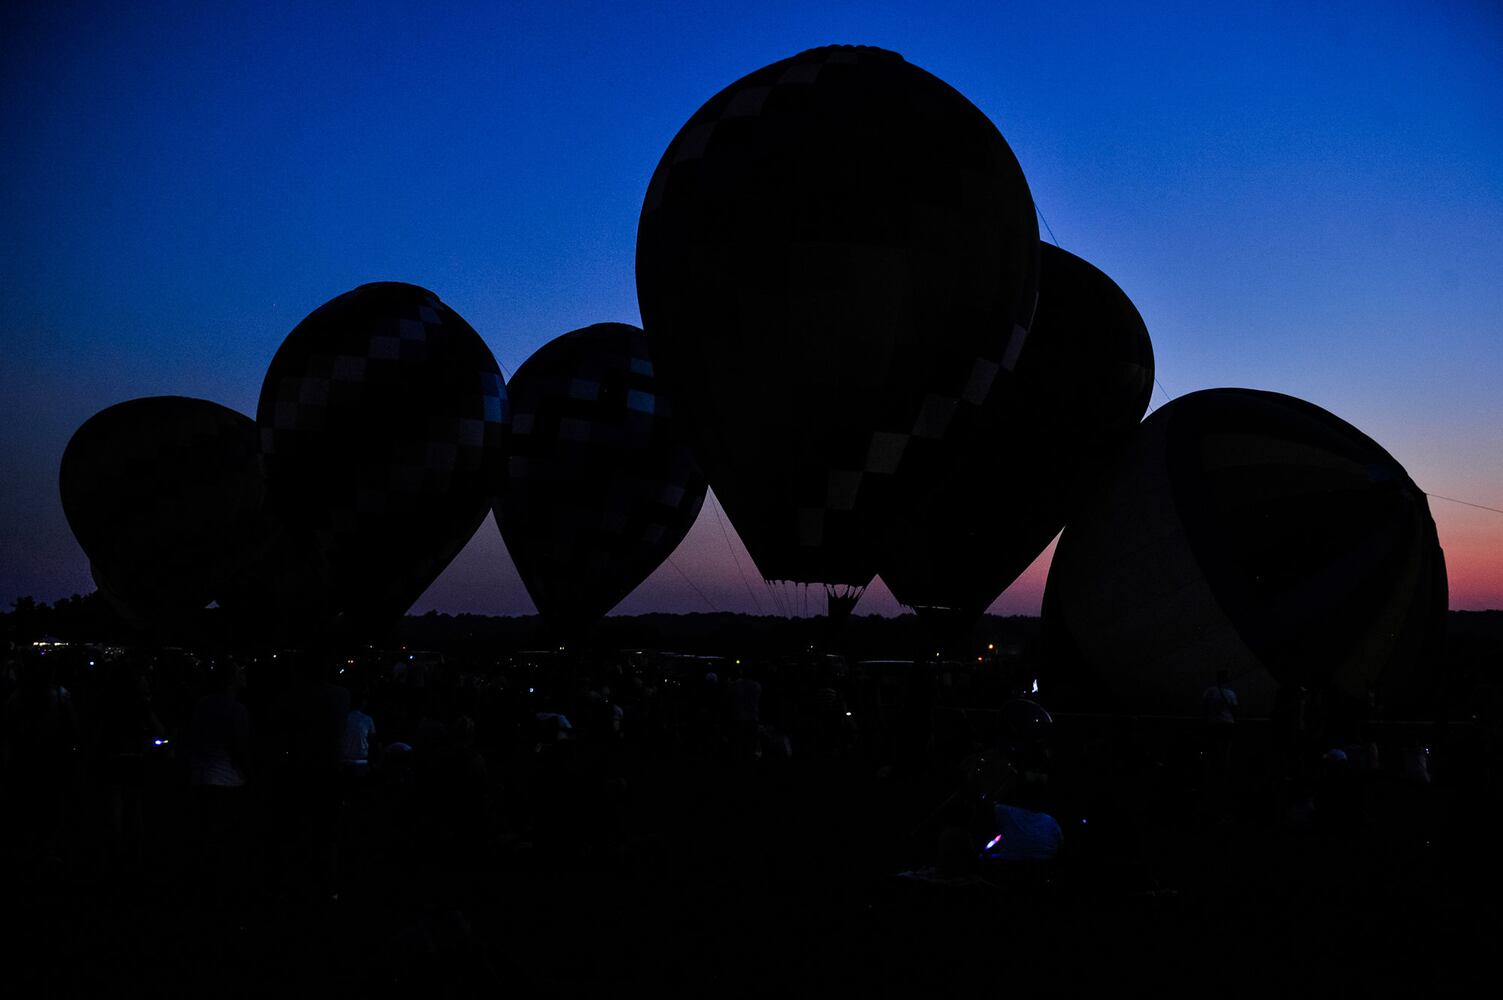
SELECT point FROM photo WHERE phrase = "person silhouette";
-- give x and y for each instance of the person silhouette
(1219, 704)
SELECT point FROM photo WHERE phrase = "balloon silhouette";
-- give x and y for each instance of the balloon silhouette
(1256, 533)
(164, 495)
(382, 422)
(286, 597)
(1081, 384)
(601, 486)
(837, 257)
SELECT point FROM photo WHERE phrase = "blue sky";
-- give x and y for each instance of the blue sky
(1306, 198)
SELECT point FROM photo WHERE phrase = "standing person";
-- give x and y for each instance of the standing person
(916, 717)
(318, 710)
(358, 750)
(38, 729)
(218, 767)
(746, 714)
(358, 730)
(219, 733)
(125, 725)
(1219, 703)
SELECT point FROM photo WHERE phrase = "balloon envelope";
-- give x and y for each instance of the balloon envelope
(164, 495)
(382, 421)
(1081, 384)
(1256, 533)
(601, 485)
(837, 256)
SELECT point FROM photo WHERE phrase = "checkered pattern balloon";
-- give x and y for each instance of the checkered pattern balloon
(164, 495)
(601, 485)
(382, 423)
(837, 264)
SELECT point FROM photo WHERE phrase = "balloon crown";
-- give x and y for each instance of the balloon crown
(866, 50)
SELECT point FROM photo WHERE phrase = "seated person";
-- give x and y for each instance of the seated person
(1024, 831)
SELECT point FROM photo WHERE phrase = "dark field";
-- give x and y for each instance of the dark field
(674, 872)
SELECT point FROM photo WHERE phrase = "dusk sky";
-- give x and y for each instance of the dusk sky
(1306, 201)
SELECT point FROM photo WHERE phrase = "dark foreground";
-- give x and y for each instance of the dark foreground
(709, 876)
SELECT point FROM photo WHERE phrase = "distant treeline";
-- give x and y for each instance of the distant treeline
(90, 618)
(1474, 638)
(727, 634)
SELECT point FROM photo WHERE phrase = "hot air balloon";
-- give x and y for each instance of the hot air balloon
(836, 259)
(1255, 533)
(164, 495)
(286, 596)
(1081, 384)
(382, 421)
(601, 486)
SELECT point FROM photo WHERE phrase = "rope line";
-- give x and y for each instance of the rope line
(692, 584)
(1048, 228)
(1169, 399)
(777, 599)
(727, 536)
(1465, 503)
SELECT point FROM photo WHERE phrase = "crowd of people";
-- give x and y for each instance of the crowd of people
(107, 751)
(288, 779)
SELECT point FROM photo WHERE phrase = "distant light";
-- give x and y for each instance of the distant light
(159, 742)
(979, 659)
(848, 715)
(993, 842)
(409, 656)
(91, 663)
(991, 645)
(531, 690)
(1035, 685)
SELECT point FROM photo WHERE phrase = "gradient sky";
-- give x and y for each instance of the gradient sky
(1308, 201)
